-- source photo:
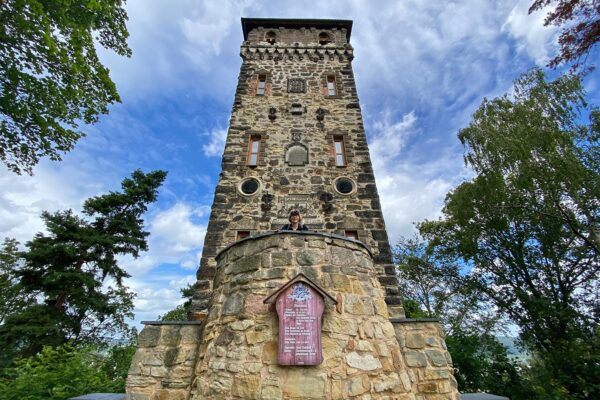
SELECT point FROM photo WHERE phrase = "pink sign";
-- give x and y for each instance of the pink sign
(299, 308)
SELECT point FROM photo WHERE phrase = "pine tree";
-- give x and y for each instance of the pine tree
(74, 273)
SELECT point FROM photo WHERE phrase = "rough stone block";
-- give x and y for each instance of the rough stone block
(297, 384)
(415, 359)
(428, 387)
(270, 393)
(246, 387)
(341, 283)
(254, 305)
(246, 264)
(137, 396)
(436, 358)
(170, 335)
(307, 257)
(149, 336)
(365, 363)
(415, 340)
(340, 325)
(358, 385)
(253, 337)
(233, 304)
(281, 259)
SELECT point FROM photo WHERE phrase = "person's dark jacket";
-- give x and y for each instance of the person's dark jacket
(288, 227)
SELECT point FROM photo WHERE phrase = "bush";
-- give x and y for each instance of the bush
(58, 373)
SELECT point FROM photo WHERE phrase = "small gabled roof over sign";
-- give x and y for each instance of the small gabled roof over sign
(304, 279)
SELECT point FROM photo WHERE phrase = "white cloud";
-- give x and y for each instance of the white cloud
(389, 137)
(534, 38)
(216, 142)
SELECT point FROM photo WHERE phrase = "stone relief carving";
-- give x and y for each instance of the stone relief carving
(296, 85)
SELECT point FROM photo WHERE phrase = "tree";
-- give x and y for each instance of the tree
(528, 222)
(180, 313)
(434, 287)
(74, 273)
(581, 32)
(62, 372)
(12, 297)
(50, 76)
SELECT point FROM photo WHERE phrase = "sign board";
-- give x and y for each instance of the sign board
(299, 308)
(300, 304)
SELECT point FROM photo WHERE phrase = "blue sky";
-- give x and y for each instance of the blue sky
(422, 68)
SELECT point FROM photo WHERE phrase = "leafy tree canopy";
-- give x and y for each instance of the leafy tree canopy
(59, 373)
(12, 297)
(528, 223)
(74, 274)
(580, 20)
(50, 76)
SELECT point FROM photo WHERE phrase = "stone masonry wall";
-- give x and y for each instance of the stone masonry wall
(285, 116)
(163, 365)
(427, 359)
(237, 357)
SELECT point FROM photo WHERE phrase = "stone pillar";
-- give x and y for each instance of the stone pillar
(426, 357)
(163, 365)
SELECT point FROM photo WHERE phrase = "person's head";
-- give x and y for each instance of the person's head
(295, 216)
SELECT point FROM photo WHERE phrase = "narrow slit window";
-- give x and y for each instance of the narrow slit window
(242, 234)
(351, 234)
(331, 85)
(340, 151)
(262, 83)
(253, 148)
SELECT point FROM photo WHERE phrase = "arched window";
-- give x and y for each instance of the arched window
(324, 38)
(271, 37)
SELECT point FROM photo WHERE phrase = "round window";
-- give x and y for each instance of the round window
(249, 186)
(344, 185)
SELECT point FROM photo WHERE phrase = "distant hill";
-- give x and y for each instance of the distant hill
(512, 348)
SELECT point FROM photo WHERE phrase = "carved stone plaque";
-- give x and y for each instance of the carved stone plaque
(296, 156)
(299, 308)
(301, 202)
(296, 85)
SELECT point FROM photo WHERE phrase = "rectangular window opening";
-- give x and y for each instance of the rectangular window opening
(262, 83)
(340, 151)
(253, 148)
(351, 234)
(242, 234)
(331, 86)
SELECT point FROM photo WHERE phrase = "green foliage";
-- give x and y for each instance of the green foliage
(528, 222)
(435, 288)
(12, 297)
(481, 363)
(73, 272)
(180, 313)
(50, 76)
(67, 371)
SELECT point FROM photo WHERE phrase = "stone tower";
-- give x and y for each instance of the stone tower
(294, 314)
(296, 140)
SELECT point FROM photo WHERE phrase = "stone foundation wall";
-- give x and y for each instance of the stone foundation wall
(163, 365)
(233, 353)
(427, 359)
(362, 356)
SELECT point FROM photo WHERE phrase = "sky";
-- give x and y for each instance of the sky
(421, 67)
